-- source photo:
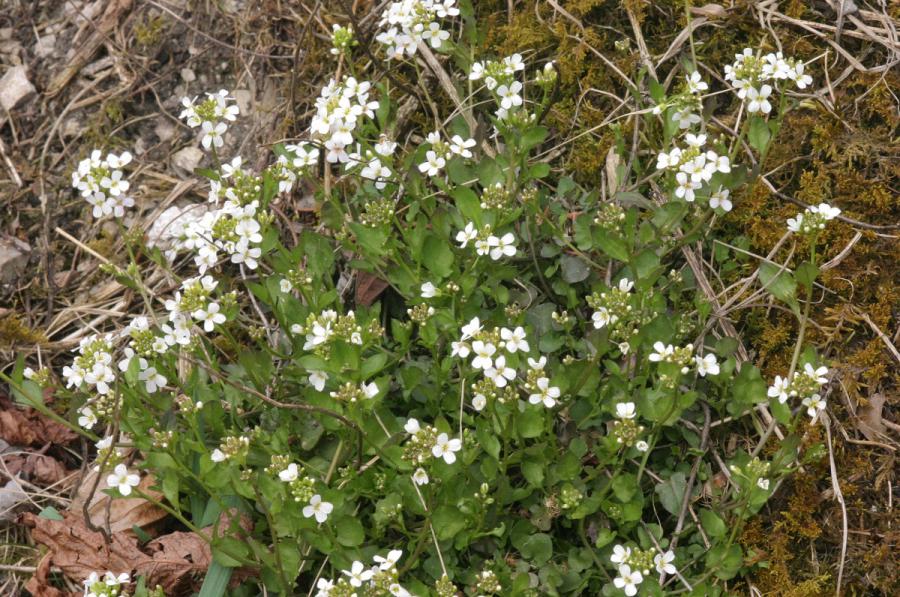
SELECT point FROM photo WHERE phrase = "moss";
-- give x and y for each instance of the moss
(15, 332)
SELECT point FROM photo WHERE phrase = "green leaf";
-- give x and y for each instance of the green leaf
(574, 269)
(624, 486)
(350, 532)
(780, 283)
(759, 134)
(50, 513)
(467, 203)
(371, 239)
(712, 524)
(613, 246)
(533, 137)
(806, 274)
(447, 522)
(747, 389)
(438, 257)
(533, 471)
(530, 422)
(216, 582)
(537, 548)
(671, 492)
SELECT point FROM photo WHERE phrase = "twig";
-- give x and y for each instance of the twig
(836, 486)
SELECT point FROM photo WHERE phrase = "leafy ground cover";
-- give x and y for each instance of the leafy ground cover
(536, 298)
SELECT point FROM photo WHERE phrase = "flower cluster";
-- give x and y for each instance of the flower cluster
(426, 443)
(100, 181)
(211, 115)
(327, 326)
(487, 243)
(441, 151)
(634, 564)
(193, 303)
(612, 306)
(379, 579)
(750, 76)
(813, 219)
(625, 428)
(342, 39)
(686, 104)
(406, 23)
(694, 167)
(803, 384)
(500, 79)
(110, 585)
(234, 447)
(339, 111)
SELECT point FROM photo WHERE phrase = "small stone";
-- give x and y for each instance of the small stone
(243, 98)
(164, 129)
(13, 258)
(188, 75)
(45, 46)
(15, 87)
(187, 159)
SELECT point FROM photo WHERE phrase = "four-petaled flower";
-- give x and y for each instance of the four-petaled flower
(445, 448)
(122, 480)
(318, 508)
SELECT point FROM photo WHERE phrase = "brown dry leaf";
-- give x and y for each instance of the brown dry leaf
(368, 288)
(173, 562)
(869, 422)
(28, 427)
(39, 584)
(39, 469)
(123, 514)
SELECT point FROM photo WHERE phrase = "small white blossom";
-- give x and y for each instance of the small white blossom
(318, 508)
(122, 480)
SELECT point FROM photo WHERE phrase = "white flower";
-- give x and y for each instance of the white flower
(620, 554)
(122, 480)
(817, 374)
(420, 477)
(602, 317)
(627, 580)
(625, 410)
(435, 34)
(285, 285)
(827, 211)
(152, 379)
(504, 245)
(445, 448)
(477, 71)
(433, 164)
(779, 389)
(86, 417)
(358, 574)
(707, 365)
(814, 405)
(513, 63)
(482, 247)
(218, 456)
(794, 224)
(471, 328)
(291, 473)
(515, 339)
(318, 508)
(210, 316)
(509, 95)
(759, 99)
(114, 580)
(695, 83)
(546, 393)
(412, 426)
(695, 140)
(539, 364)
(662, 352)
(483, 354)
(499, 373)
(664, 561)
(369, 390)
(389, 562)
(317, 379)
(464, 236)
(720, 199)
(762, 483)
(461, 146)
(625, 285)
(479, 401)
(460, 349)
(686, 186)
(212, 134)
(642, 446)
(428, 290)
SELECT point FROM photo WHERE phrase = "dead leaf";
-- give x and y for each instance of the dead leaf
(39, 584)
(172, 561)
(711, 11)
(44, 470)
(368, 288)
(123, 514)
(869, 422)
(28, 427)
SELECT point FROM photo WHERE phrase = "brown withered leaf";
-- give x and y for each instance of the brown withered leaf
(869, 422)
(172, 561)
(28, 427)
(39, 469)
(123, 514)
(39, 584)
(368, 288)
